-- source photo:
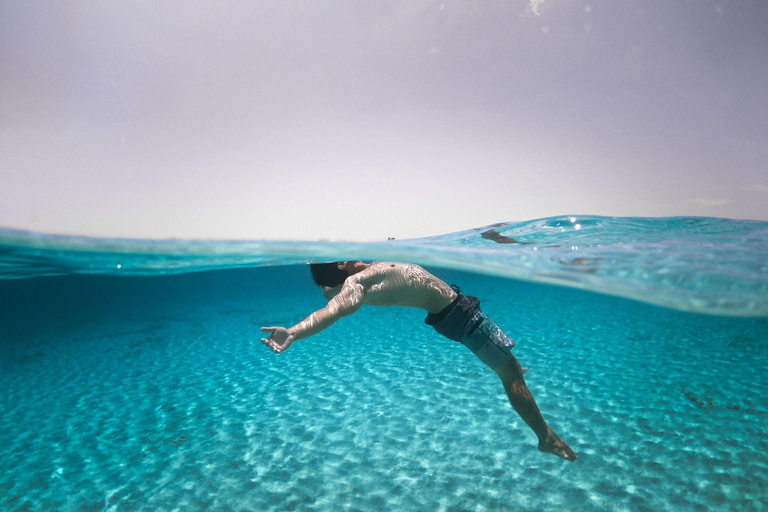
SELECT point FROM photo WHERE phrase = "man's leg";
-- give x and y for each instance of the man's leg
(520, 397)
(488, 342)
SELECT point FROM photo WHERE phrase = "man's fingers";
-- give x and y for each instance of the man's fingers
(269, 329)
(273, 346)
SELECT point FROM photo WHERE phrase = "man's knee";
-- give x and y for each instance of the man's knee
(509, 370)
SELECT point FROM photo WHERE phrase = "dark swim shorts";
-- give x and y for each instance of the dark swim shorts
(463, 321)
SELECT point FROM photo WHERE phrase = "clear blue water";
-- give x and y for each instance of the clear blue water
(145, 387)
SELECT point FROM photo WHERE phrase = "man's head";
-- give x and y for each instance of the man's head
(334, 274)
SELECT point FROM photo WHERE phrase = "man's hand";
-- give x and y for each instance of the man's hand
(279, 340)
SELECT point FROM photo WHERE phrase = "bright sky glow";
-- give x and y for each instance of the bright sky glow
(368, 120)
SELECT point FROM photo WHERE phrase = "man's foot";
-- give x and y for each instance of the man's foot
(557, 446)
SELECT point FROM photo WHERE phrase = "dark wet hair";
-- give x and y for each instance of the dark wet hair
(328, 274)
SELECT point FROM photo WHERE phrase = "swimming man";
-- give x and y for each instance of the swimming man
(348, 285)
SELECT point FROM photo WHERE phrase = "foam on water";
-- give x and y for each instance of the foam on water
(153, 392)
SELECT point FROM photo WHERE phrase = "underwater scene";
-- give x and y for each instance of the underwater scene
(134, 377)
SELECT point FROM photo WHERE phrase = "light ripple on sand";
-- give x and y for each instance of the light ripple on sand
(382, 414)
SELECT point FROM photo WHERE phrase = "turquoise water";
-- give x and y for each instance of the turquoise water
(145, 387)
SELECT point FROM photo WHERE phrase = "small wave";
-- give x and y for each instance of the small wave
(696, 264)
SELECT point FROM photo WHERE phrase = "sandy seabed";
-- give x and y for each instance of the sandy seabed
(156, 394)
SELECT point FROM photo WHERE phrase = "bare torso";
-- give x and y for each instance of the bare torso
(380, 283)
(401, 284)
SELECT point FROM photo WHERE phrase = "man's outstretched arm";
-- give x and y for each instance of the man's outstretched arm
(348, 300)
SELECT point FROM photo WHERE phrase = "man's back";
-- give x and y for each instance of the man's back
(385, 283)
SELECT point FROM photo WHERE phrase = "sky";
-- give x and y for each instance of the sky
(363, 120)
